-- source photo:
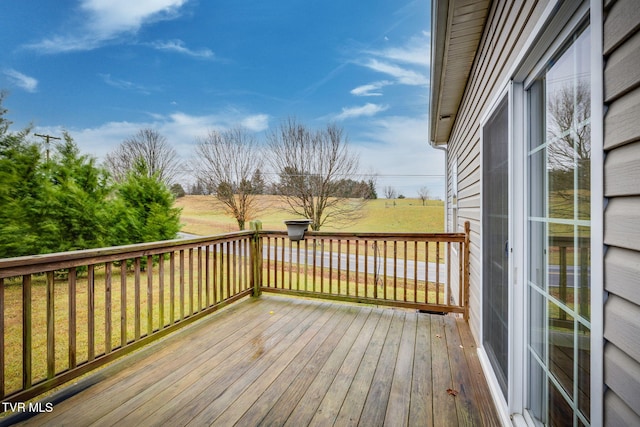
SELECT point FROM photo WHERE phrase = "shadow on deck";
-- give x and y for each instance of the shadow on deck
(289, 361)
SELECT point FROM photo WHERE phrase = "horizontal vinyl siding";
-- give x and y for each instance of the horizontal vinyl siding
(621, 23)
(621, 120)
(620, 72)
(622, 326)
(622, 222)
(623, 373)
(622, 171)
(507, 28)
(618, 413)
(622, 215)
(622, 273)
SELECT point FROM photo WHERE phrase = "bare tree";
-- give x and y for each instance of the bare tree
(311, 166)
(150, 146)
(569, 145)
(424, 194)
(569, 127)
(390, 192)
(227, 163)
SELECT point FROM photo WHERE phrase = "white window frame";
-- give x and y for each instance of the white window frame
(527, 69)
(547, 36)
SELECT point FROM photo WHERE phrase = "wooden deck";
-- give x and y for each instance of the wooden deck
(288, 361)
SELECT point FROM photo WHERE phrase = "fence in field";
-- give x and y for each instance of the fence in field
(62, 315)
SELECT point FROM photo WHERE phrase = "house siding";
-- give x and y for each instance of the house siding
(621, 43)
(508, 26)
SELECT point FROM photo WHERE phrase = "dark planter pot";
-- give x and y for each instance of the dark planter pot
(296, 228)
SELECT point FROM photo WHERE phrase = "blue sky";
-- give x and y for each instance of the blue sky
(103, 69)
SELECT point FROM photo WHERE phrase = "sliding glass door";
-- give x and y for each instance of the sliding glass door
(559, 229)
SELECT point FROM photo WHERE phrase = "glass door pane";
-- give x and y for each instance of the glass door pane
(559, 152)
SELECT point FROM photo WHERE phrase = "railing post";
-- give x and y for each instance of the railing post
(256, 257)
(563, 279)
(467, 250)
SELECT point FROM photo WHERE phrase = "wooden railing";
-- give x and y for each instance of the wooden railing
(62, 315)
(572, 274)
(412, 270)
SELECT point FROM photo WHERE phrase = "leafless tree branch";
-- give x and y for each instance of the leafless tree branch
(312, 166)
(150, 146)
(227, 162)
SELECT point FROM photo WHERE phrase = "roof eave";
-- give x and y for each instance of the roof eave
(456, 28)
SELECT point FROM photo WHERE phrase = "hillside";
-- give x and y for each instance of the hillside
(203, 215)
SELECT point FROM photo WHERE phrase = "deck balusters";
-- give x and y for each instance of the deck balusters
(361, 267)
(107, 308)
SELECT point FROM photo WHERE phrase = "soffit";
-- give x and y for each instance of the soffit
(456, 30)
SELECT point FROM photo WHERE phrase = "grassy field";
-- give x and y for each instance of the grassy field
(191, 296)
(203, 215)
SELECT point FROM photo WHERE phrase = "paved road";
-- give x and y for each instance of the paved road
(434, 271)
(554, 275)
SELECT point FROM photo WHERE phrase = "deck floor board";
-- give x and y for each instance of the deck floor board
(312, 397)
(276, 360)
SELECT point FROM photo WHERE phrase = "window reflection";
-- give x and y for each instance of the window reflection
(583, 272)
(561, 346)
(584, 376)
(559, 162)
(560, 411)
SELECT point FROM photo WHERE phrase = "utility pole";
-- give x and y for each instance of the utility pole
(47, 138)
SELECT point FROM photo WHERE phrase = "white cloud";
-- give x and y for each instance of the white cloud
(181, 130)
(179, 47)
(126, 85)
(401, 74)
(27, 83)
(115, 16)
(366, 110)
(407, 64)
(106, 20)
(415, 51)
(370, 89)
(399, 146)
(256, 123)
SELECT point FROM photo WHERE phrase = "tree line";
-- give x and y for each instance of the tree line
(311, 170)
(65, 200)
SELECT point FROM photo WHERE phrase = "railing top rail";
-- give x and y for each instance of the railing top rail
(25, 264)
(568, 241)
(436, 237)
(40, 263)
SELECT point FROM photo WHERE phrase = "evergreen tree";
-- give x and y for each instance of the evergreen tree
(258, 184)
(371, 193)
(49, 206)
(143, 209)
(78, 193)
(66, 202)
(178, 190)
(23, 224)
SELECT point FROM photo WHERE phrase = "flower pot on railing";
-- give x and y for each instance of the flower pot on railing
(296, 228)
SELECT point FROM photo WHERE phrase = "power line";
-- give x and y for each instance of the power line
(371, 175)
(47, 138)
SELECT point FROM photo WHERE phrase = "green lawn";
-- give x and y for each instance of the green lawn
(204, 216)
